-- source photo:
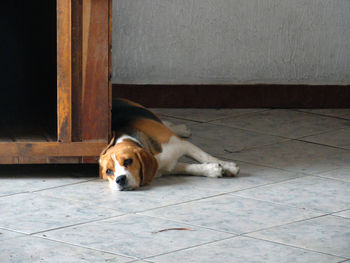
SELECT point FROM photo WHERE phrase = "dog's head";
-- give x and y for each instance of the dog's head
(127, 165)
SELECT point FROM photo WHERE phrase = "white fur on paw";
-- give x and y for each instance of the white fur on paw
(230, 168)
(214, 170)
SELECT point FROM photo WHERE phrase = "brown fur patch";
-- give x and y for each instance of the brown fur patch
(153, 129)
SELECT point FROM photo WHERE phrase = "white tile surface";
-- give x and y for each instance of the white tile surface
(342, 174)
(286, 123)
(273, 196)
(220, 140)
(311, 192)
(338, 138)
(135, 235)
(33, 249)
(247, 250)
(5, 234)
(232, 214)
(297, 156)
(328, 234)
(31, 213)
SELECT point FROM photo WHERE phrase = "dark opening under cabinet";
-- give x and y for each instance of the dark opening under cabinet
(55, 69)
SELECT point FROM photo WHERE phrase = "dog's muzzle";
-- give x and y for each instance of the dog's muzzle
(121, 181)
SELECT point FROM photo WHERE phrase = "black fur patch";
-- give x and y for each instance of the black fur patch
(123, 114)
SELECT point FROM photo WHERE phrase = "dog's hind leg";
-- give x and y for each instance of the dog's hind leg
(204, 169)
(229, 168)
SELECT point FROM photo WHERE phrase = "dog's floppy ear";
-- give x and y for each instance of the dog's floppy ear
(111, 143)
(149, 166)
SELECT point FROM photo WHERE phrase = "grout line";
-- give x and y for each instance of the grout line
(90, 248)
(272, 183)
(343, 217)
(59, 186)
(219, 118)
(177, 250)
(294, 246)
(269, 166)
(256, 146)
(286, 224)
(321, 114)
(15, 231)
(320, 144)
(305, 209)
(330, 178)
(323, 132)
(7, 195)
(249, 130)
(179, 203)
(283, 137)
(323, 214)
(81, 202)
(183, 119)
(76, 224)
(303, 174)
(264, 165)
(339, 211)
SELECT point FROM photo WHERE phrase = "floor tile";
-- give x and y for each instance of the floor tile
(345, 213)
(286, 123)
(22, 179)
(31, 213)
(328, 234)
(99, 193)
(23, 184)
(220, 140)
(250, 175)
(4, 234)
(338, 174)
(338, 138)
(340, 113)
(232, 214)
(310, 192)
(163, 191)
(203, 115)
(247, 250)
(296, 156)
(135, 235)
(33, 249)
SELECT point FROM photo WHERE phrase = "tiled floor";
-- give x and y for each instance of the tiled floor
(290, 203)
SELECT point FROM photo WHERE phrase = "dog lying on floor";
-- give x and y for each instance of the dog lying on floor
(144, 147)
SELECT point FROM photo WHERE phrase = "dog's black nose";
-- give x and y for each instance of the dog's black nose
(121, 180)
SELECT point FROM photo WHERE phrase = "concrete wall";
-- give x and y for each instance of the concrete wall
(231, 41)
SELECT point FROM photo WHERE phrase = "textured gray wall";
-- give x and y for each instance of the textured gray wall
(231, 41)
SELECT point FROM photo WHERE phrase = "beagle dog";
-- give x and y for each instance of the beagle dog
(144, 147)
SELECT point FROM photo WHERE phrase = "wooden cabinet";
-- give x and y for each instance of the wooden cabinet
(56, 91)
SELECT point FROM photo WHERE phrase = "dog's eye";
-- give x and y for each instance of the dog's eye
(109, 172)
(127, 162)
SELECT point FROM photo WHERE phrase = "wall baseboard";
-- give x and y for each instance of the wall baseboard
(236, 96)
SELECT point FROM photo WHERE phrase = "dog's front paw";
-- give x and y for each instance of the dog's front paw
(230, 168)
(214, 170)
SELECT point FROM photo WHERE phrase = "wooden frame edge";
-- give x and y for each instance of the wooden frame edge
(64, 71)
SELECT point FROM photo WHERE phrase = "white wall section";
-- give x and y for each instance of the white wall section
(231, 41)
